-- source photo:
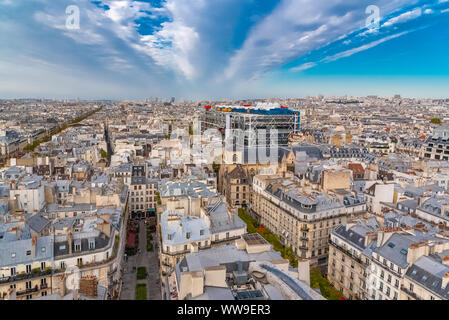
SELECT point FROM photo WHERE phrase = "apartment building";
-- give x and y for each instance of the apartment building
(217, 225)
(437, 146)
(142, 196)
(236, 187)
(186, 196)
(26, 268)
(302, 219)
(404, 260)
(349, 259)
(377, 193)
(181, 234)
(248, 269)
(427, 278)
(28, 194)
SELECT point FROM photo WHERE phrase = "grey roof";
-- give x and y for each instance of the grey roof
(397, 253)
(38, 222)
(14, 253)
(428, 271)
(186, 188)
(62, 248)
(311, 151)
(354, 235)
(221, 221)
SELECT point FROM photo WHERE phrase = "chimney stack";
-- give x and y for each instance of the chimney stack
(34, 245)
(304, 271)
(70, 242)
(445, 280)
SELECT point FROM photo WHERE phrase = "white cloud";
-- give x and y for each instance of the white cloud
(170, 47)
(304, 66)
(295, 28)
(406, 16)
(350, 52)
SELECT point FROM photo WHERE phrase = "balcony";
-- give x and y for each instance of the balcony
(27, 291)
(410, 293)
(348, 253)
(44, 286)
(25, 276)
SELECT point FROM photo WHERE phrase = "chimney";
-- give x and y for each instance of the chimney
(350, 223)
(446, 261)
(445, 280)
(304, 271)
(34, 245)
(62, 289)
(369, 237)
(69, 238)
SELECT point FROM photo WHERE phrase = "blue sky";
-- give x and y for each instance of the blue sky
(214, 49)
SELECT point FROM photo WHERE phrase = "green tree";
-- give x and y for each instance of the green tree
(103, 153)
(327, 290)
(435, 121)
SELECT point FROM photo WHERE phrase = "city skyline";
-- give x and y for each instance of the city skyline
(132, 50)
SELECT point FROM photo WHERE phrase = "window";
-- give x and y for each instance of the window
(411, 287)
(28, 268)
(42, 266)
(13, 271)
(28, 252)
(188, 235)
(389, 278)
(201, 232)
(396, 283)
(28, 284)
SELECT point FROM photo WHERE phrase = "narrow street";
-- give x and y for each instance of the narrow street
(149, 260)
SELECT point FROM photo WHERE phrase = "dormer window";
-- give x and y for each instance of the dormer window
(188, 235)
(169, 237)
(201, 232)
